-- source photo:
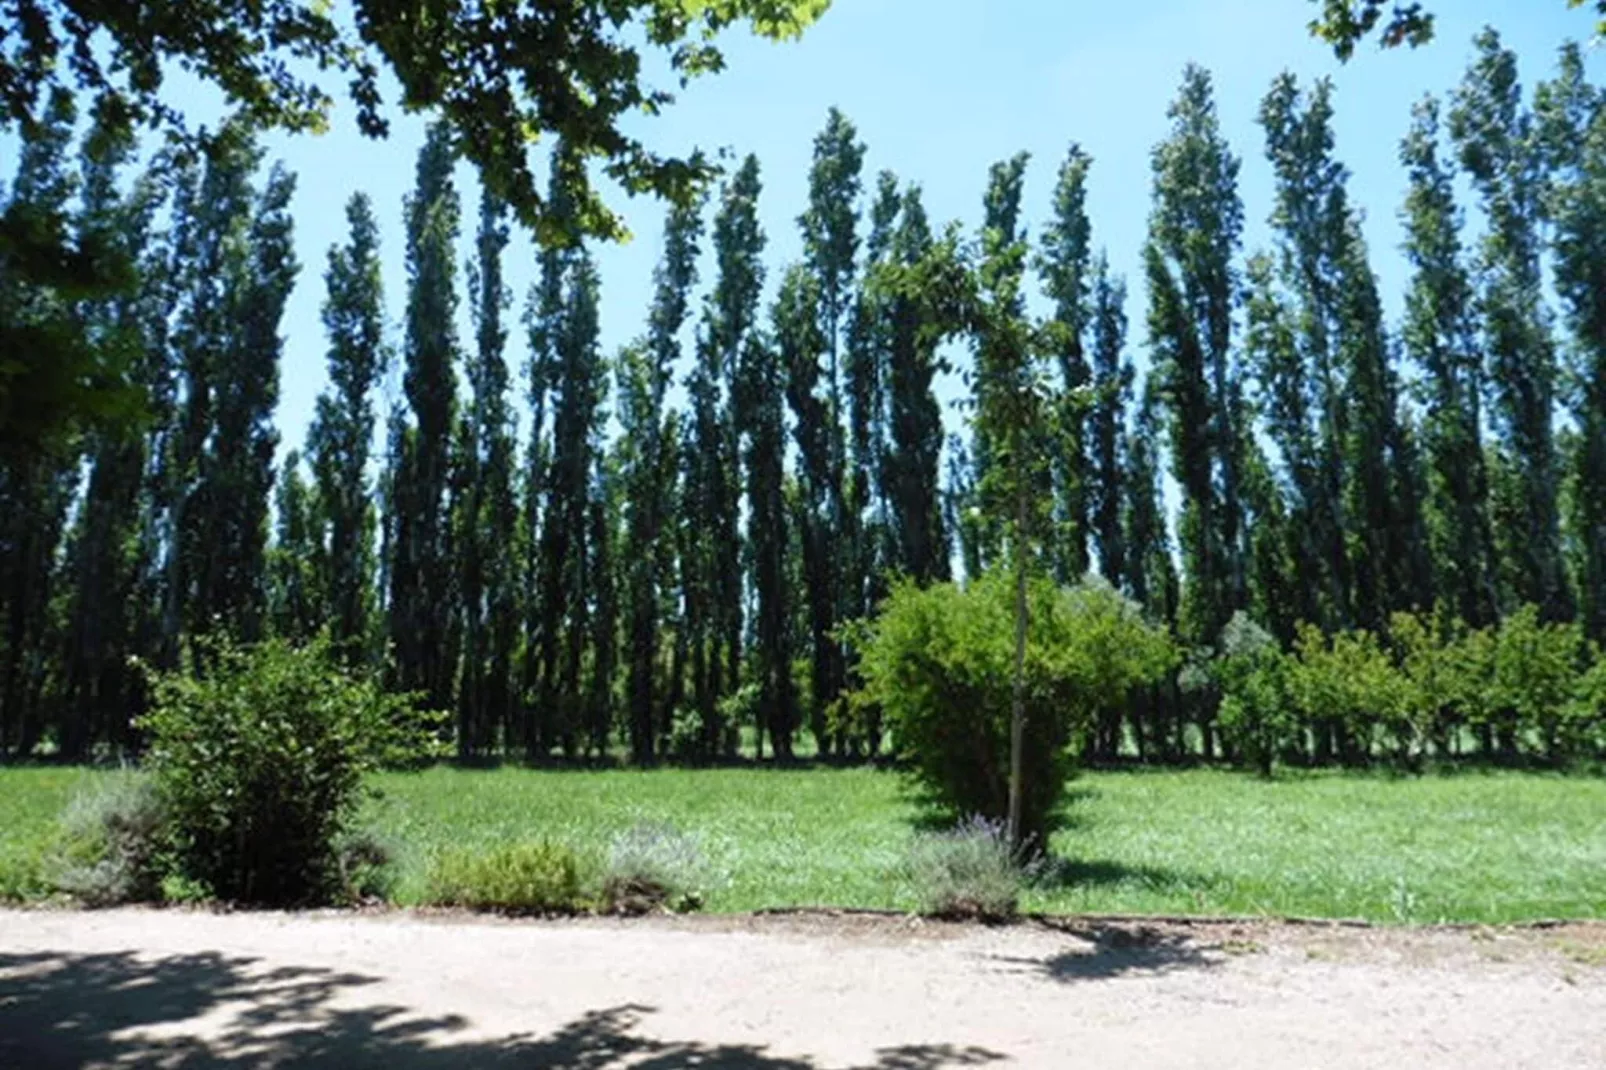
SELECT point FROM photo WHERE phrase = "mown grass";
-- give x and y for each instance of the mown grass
(32, 799)
(1470, 847)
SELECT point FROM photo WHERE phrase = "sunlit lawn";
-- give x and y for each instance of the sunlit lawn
(1471, 846)
(1468, 847)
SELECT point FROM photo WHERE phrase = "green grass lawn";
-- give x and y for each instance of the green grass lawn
(31, 799)
(1490, 847)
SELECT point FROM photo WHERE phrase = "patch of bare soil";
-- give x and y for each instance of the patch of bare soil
(805, 991)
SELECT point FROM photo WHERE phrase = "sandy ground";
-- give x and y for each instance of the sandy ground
(402, 991)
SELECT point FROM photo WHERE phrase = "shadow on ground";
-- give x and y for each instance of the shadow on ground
(71, 1010)
(1107, 951)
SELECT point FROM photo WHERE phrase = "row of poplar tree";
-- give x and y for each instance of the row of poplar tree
(630, 561)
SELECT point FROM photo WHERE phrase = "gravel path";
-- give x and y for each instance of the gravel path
(403, 992)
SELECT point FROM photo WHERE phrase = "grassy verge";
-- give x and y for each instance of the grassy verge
(31, 800)
(1484, 847)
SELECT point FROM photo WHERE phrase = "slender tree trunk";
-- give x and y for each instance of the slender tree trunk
(1017, 714)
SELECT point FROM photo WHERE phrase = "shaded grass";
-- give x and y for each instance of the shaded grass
(1471, 847)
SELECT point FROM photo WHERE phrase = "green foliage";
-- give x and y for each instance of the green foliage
(1497, 141)
(366, 864)
(651, 866)
(23, 876)
(112, 840)
(1589, 707)
(1470, 846)
(340, 440)
(1526, 687)
(1195, 227)
(540, 877)
(1345, 23)
(1256, 712)
(940, 662)
(1347, 679)
(577, 79)
(259, 758)
(1535, 680)
(420, 573)
(179, 889)
(1434, 684)
(967, 872)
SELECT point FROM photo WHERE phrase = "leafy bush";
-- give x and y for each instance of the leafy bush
(1589, 704)
(260, 759)
(1256, 715)
(652, 866)
(969, 872)
(1347, 679)
(1434, 687)
(1536, 679)
(542, 877)
(111, 841)
(366, 867)
(1525, 686)
(22, 874)
(939, 660)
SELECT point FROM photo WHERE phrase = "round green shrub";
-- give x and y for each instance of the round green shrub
(543, 877)
(940, 662)
(110, 842)
(259, 755)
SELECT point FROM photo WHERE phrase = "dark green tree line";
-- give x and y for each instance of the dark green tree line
(667, 552)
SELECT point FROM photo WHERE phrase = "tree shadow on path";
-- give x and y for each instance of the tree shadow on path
(1109, 951)
(60, 1010)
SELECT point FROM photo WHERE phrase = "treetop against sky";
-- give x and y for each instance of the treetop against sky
(939, 90)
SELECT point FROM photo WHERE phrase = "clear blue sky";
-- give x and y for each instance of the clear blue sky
(940, 89)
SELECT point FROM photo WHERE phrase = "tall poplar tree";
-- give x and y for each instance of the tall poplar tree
(1194, 232)
(1297, 341)
(1111, 378)
(238, 473)
(1499, 148)
(340, 440)
(235, 266)
(578, 387)
(730, 320)
(36, 485)
(545, 329)
(730, 317)
(761, 391)
(487, 510)
(109, 550)
(1387, 559)
(1441, 336)
(852, 451)
(1064, 261)
(421, 571)
(650, 471)
(870, 337)
(1573, 125)
(802, 345)
(912, 469)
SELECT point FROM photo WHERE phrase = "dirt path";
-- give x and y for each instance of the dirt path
(403, 992)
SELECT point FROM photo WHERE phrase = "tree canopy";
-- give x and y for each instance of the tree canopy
(503, 76)
(500, 77)
(1345, 23)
